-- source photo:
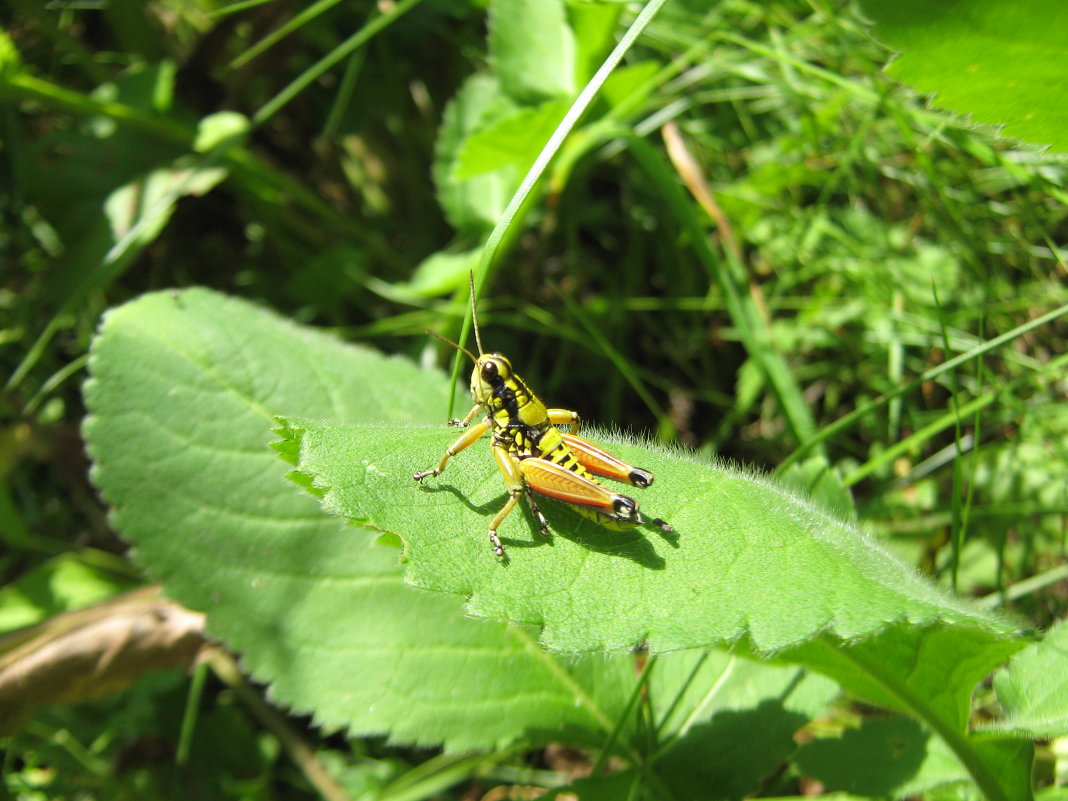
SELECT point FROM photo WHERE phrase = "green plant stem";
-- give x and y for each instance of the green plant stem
(189, 715)
(621, 720)
(695, 712)
(343, 97)
(931, 520)
(237, 8)
(90, 762)
(957, 530)
(435, 776)
(49, 386)
(661, 791)
(23, 86)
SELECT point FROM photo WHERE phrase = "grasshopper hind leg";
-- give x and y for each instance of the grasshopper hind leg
(543, 524)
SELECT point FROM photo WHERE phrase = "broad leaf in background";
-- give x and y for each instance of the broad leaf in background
(442, 273)
(594, 27)
(930, 673)
(473, 204)
(532, 49)
(497, 123)
(1033, 689)
(884, 758)
(746, 557)
(1000, 63)
(624, 82)
(69, 581)
(184, 386)
(511, 141)
(897, 758)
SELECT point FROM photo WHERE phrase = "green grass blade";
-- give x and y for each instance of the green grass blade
(295, 24)
(310, 75)
(947, 420)
(847, 420)
(724, 272)
(556, 140)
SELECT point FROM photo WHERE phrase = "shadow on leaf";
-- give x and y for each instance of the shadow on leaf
(717, 759)
(630, 544)
(877, 759)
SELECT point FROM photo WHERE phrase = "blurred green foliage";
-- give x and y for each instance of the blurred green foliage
(342, 163)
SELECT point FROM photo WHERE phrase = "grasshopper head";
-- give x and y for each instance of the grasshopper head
(490, 373)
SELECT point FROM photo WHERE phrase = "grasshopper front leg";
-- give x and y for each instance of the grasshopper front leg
(465, 440)
(469, 417)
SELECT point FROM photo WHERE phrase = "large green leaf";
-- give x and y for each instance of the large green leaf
(183, 391)
(891, 757)
(897, 758)
(746, 557)
(1000, 63)
(929, 672)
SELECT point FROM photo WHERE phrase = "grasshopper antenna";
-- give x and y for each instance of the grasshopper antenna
(460, 348)
(474, 316)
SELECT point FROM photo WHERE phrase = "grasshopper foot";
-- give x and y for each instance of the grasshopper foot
(495, 541)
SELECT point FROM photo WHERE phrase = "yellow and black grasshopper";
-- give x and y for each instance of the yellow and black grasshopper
(534, 455)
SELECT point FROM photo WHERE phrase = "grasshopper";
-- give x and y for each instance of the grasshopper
(533, 454)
